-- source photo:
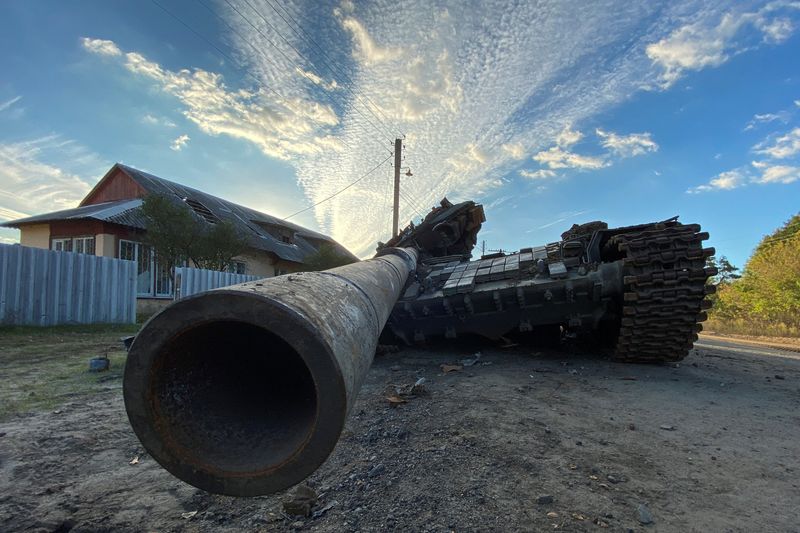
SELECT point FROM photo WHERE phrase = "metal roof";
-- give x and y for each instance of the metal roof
(251, 223)
(118, 210)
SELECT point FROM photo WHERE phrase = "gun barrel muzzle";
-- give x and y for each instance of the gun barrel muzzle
(245, 390)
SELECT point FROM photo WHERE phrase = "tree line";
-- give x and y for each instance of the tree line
(765, 295)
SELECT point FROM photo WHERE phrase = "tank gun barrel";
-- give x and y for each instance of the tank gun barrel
(244, 391)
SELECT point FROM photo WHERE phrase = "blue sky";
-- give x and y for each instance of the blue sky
(549, 114)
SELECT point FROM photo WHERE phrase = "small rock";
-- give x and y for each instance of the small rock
(778, 376)
(668, 428)
(615, 478)
(376, 470)
(296, 525)
(645, 516)
(301, 501)
(325, 509)
(544, 500)
(395, 368)
(578, 443)
(632, 427)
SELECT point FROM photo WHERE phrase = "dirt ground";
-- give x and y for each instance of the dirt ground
(521, 440)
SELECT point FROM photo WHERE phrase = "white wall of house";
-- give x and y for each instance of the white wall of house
(262, 264)
(105, 245)
(35, 236)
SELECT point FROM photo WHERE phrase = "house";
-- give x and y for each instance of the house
(109, 222)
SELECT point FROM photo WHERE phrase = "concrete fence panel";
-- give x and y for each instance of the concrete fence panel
(45, 288)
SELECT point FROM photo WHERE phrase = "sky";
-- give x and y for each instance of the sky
(548, 113)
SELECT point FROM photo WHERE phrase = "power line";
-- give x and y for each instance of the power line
(403, 196)
(340, 191)
(327, 58)
(299, 53)
(298, 67)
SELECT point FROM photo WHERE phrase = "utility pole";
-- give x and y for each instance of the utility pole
(398, 160)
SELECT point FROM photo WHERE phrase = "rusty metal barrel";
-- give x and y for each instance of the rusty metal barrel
(245, 390)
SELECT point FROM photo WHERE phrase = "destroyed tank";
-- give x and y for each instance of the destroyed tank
(637, 290)
(245, 390)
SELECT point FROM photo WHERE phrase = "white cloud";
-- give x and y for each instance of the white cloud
(31, 183)
(179, 142)
(152, 120)
(568, 137)
(101, 46)
(317, 80)
(784, 146)
(514, 150)
(540, 174)
(761, 172)
(763, 119)
(711, 41)
(776, 30)
(564, 217)
(779, 174)
(366, 49)
(449, 78)
(725, 181)
(556, 158)
(627, 145)
(472, 156)
(8, 103)
(281, 128)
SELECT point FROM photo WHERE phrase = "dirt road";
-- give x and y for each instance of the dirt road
(521, 440)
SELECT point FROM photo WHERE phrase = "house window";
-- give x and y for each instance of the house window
(83, 245)
(153, 279)
(61, 245)
(237, 267)
(136, 251)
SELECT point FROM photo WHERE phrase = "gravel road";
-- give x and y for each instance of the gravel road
(522, 439)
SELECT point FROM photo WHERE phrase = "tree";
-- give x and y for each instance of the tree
(326, 256)
(176, 235)
(768, 291)
(726, 271)
(219, 245)
(171, 230)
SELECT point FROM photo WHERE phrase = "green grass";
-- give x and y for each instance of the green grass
(42, 368)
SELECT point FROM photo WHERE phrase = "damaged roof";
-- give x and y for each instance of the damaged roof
(262, 231)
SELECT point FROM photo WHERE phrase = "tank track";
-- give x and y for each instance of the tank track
(665, 276)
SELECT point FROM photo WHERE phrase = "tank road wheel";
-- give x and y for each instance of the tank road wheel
(663, 303)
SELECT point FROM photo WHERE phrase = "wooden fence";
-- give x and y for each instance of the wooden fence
(45, 288)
